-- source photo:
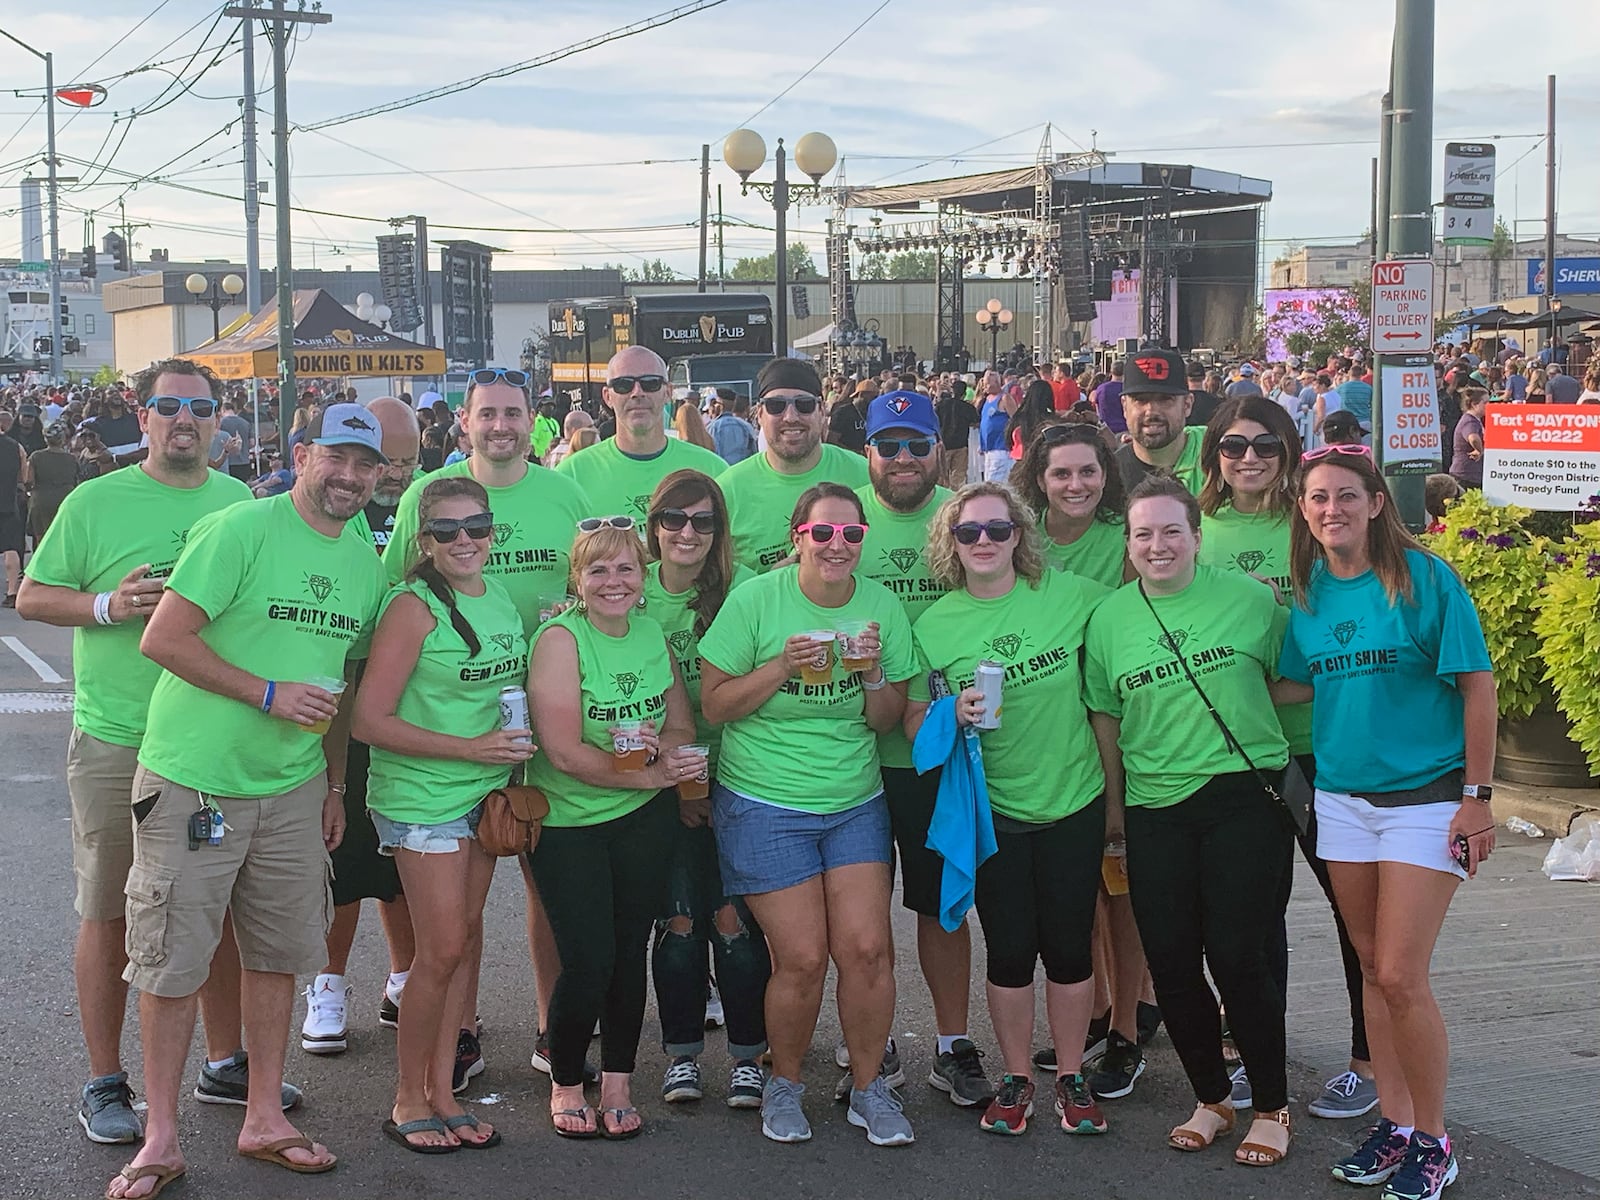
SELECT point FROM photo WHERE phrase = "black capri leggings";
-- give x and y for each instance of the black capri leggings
(1036, 895)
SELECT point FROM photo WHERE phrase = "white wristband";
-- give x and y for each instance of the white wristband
(874, 687)
(102, 609)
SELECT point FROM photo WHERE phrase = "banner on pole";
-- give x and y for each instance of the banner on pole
(1410, 434)
(1545, 456)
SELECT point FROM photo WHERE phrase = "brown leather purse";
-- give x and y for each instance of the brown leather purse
(511, 821)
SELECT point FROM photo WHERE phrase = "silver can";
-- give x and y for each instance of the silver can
(987, 679)
(514, 711)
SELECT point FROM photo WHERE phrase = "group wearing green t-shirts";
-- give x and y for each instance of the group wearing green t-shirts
(535, 520)
(1042, 763)
(805, 733)
(284, 602)
(617, 483)
(1099, 553)
(454, 691)
(620, 679)
(761, 500)
(1229, 629)
(104, 529)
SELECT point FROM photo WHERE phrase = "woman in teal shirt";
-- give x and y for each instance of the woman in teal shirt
(1070, 479)
(447, 641)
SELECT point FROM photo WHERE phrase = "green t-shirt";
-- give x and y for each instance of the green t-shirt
(895, 553)
(544, 432)
(618, 484)
(1258, 544)
(1230, 629)
(761, 501)
(535, 522)
(104, 529)
(1098, 554)
(284, 602)
(620, 679)
(1186, 470)
(809, 746)
(671, 611)
(451, 691)
(1042, 764)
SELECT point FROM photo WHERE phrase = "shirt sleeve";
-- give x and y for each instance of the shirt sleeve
(1291, 658)
(730, 643)
(1100, 692)
(216, 557)
(899, 654)
(918, 688)
(1461, 645)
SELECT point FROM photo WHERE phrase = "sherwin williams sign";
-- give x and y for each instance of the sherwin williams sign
(1580, 275)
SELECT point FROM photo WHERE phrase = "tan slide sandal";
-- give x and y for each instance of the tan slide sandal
(1209, 1122)
(1267, 1143)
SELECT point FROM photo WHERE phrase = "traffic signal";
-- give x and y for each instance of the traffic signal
(70, 344)
(89, 266)
(41, 344)
(117, 246)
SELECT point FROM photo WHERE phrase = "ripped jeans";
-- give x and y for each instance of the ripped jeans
(738, 948)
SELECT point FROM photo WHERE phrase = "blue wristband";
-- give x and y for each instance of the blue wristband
(266, 700)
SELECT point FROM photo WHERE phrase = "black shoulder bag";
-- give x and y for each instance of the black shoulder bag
(1295, 795)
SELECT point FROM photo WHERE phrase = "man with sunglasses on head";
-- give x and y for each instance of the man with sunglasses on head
(1156, 402)
(619, 474)
(762, 490)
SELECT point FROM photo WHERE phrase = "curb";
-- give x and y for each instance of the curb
(1551, 809)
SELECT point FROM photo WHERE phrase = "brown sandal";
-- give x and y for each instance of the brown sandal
(1209, 1122)
(1254, 1153)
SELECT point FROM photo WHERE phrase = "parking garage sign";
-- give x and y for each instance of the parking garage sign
(1402, 306)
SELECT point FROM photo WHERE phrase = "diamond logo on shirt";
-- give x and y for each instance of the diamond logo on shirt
(1249, 560)
(503, 533)
(1173, 641)
(904, 557)
(1006, 645)
(320, 586)
(681, 641)
(504, 640)
(626, 683)
(640, 504)
(1344, 632)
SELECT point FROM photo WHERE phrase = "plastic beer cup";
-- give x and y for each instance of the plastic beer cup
(328, 684)
(627, 742)
(1114, 869)
(820, 669)
(852, 656)
(699, 787)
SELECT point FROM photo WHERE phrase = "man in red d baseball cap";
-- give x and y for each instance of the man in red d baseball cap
(1156, 402)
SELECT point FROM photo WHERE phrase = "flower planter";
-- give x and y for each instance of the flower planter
(1538, 750)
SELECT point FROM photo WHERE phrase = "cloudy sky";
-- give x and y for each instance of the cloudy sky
(563, 164)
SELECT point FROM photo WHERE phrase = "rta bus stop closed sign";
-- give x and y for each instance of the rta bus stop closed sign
(1402, 306)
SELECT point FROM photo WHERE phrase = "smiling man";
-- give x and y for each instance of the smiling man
(619, 474)
(1156, 403)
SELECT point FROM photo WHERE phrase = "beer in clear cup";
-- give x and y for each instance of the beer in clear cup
(627, 743)
(852, 652)
(1114, 869)
(699, 787)
(328, 684)
(819, 669)
(553, 604)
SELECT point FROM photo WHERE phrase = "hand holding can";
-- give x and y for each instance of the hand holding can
(987, 679)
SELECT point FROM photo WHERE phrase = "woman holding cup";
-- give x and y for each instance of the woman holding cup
(598, 866)
(1049, 768)
(447, 641)
(801, 823)
(691, 574)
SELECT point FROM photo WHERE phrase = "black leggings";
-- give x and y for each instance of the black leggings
(603, 887)
(1206, 880)
(1035, 898)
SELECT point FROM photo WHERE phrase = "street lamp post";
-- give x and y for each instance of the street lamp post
(206, 291)
(53, 185)
(1555, 324)
(745, 152)
(994, 317)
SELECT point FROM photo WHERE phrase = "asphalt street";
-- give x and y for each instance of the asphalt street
(703, 1150)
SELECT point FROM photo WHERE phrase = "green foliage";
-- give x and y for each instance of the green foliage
(1501, 245)
(104, 377)
(652, 270)
(763, 267)
(1570, 635)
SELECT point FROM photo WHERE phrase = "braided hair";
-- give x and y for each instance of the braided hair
(449, 488)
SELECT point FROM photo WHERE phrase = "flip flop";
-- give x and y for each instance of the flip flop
(397, 1133)
(467, 1121)
(272, 1153)
(618, 1114)
(583, 1114)
(162, 1174)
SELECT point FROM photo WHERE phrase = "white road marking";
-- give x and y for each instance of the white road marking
(45, 672)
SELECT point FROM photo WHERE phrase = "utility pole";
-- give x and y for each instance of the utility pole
(252, 187)
(1549, 198)
(722, 265)
(53, 188)
(705, 203)
(282, 23)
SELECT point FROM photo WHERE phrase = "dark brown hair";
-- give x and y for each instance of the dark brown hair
(1270, 415)
(144, 383)
(1027, 477)
(823, 491)
(1387, 538)
(1153, 487)
(716, 574)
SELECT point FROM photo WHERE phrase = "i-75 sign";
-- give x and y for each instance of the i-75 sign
(1402, 306)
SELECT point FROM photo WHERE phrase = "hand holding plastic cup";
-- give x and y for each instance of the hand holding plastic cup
(819, 669)
(553, 604)
(858, 645)
(697, 787)
(335, 688)
(629, 745)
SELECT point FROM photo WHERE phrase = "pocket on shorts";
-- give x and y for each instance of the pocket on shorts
(149, 892)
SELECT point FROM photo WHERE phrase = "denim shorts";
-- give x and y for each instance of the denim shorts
(425, 839)
(764, 848)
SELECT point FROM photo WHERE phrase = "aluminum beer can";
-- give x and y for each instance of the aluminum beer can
(514, 711)
(987, 679)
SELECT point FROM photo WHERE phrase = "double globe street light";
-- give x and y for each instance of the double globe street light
(206, 291)
(994, 317)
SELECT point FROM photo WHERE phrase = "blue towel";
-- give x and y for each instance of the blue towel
(962, 829)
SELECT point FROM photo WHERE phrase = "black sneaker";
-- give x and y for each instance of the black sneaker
(1094, 1044)
(541, 1059)
(230, 1084)
(890, 1071)
(389, 1013)
(469, 1061)
(1147, 1022)
(1121, 1064)
(959, 1073)
(106, 1111)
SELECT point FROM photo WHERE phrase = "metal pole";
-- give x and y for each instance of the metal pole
(424, 287)
(705, 204)
(1373, 224)
(1550, 196)
(1380, 231)
(284, 247)
(722, 266)
(55, 217)
(252, 219)
(780, 262)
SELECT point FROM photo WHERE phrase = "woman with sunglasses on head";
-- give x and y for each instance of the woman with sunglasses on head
(1246, 503)
(802, 825)
(690, 575)
(1069, 477)
(1180, 660)
(612, 749)
(447, 641)
(1047, 769)
(1387, 639)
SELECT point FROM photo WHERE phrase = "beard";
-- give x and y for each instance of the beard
(905, 496)
(1156, 435)
(332, 505)
(388, 492)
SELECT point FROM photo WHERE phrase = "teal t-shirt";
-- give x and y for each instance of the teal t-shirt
(619, 484)
(1098, 554)
(761, 501)
(1387, 716)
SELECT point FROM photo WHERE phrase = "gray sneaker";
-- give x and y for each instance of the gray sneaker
(890, 1071)
(959, 1072)
(782, 1118)
(106, 1111)
(1242, 1095)
(878, 1111)
(230, 1084)
(1347, 1095)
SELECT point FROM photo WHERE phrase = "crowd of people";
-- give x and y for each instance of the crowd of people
(1094, 682)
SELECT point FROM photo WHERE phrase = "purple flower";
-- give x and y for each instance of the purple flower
(1562, 560)
(1501, 541)
(1469, 534)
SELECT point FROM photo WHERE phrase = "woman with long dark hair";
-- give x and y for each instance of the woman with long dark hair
(1038, 403)
(1387, 639)
(1069, 477)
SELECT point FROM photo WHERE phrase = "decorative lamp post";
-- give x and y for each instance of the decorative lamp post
(210, 291)
(745, 152)
(994, 317)
(1555, 325)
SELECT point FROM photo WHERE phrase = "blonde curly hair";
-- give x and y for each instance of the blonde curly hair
(1027, 550)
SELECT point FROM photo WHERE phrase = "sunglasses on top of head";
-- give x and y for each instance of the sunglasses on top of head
(968, 532)
(595, 524)
(891, 447)
(1311, 456)
(201, 407)
(776, 406)
(823, 532)
(674, 519)
(444, 530)
(622, 385)
(1057, 435)
(484, 376)
(1266, 445)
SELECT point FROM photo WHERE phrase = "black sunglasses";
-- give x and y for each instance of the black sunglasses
(1266, 445)
(674, 519)
(891, 447)
(445, 530)
(968, 532)
(203, 407)
(1056, 435)
(484, 376)
(623, 384)
(804, 405)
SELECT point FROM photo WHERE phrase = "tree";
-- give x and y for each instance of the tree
(1501, 246)
(913, 264)
(652, 270)
(801, 266)
(1331, 325)
(872, 266)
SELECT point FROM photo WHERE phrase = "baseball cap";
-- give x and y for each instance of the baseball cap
(1342, 423)
(347, 425)
(1246, 369)
(902, 410)
(1156, 371)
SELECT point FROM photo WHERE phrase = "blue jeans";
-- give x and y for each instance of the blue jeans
(694, 886)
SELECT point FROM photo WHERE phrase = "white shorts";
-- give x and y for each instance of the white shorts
(997, 465)
(1350, 829)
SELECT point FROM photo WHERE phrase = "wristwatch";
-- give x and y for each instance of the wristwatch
(1480, 792)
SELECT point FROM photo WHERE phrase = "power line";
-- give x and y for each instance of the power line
(837, 46)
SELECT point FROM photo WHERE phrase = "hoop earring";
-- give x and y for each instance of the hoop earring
(582, 605)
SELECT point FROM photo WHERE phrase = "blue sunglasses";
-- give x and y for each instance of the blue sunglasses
(203, 407)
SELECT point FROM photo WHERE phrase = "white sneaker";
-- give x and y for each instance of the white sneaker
(715, 1017)
(323, 1031)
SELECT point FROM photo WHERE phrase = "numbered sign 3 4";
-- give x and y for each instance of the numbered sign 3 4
(1541, 456)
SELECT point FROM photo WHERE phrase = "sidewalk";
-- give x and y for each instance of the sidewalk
(1551, 809)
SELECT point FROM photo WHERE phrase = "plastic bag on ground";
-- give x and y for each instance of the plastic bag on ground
(1577, 856)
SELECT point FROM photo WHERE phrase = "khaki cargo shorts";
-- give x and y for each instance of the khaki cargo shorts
(99, 780)
(271, 870)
